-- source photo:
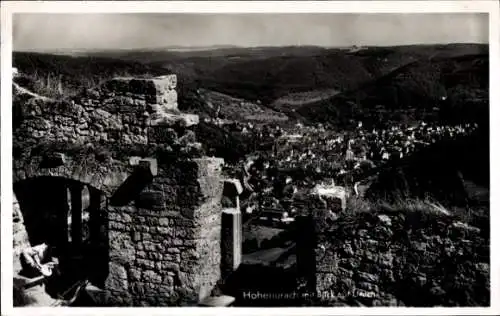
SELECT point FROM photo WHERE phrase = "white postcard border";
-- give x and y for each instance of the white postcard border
(10, 7)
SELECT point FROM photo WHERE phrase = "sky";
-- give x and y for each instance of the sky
(43, 31)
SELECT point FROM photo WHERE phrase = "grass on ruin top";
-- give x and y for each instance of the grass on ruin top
(429, 206)
(398, 219)
(358, 209)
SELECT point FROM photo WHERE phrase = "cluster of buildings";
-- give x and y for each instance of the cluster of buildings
(397, 142)
(303, 158)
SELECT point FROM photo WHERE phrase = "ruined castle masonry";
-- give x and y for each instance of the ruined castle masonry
(393, 258)
(165, 249)
(155, 199)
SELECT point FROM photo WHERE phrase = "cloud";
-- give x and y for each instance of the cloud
(111, 31)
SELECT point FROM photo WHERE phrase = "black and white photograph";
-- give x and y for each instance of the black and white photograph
(248, 159)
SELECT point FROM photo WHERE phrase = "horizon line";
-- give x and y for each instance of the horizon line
(229, 46)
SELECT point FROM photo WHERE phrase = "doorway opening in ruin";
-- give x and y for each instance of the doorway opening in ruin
(72, 217)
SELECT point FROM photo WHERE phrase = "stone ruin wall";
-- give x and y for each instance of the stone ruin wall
(121, 110)
(164, 244)
(394, 259)
(165, 249)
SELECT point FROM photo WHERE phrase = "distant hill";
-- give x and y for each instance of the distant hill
(271, 78)
(314, 84)
(274, 73)
(456, 86)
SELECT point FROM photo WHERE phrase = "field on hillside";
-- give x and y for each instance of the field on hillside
(238, 109)
(298, 99)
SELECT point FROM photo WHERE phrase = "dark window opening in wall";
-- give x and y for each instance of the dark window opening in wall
(70, 216)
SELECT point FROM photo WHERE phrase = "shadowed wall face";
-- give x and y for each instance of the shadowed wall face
(44, 205)
(55, 211)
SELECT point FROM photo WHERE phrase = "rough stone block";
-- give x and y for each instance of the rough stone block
(152, 200)
(159, 90)
(188, 280)
(168, 100)
(39, 124)
(368, 287)
(117, 278)
(169, 81)
(324, 281)
(53, 160)
(182, 222)
(171, 266)
(117, 226)
(386, 220)
(334, 196)
(368, 277)
(188, 195)
(209, 166)
(151, 276)
(168, 281)
(169, 119)
(135, 274)
(326, 262)
(145, 264)
(190, 254)
(161, 135)
(150, 164)
(121, 247)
